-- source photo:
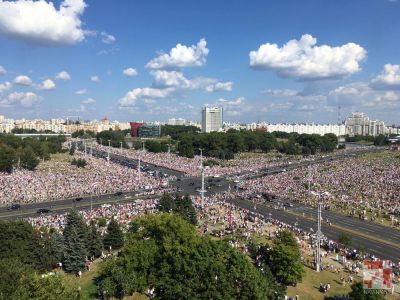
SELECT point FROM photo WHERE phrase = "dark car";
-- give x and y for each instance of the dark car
(15, 206)
(78, 199)
(43, 210)
(192, 183)
(118, 194)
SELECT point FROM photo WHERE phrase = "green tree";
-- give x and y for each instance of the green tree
(185, 209)
(114, 236)
(166, 203)
(358, 293)
(7, 158)
(74, 252)
(285, 260)
(95, 242)
(28, 158)
(12, 270)
(168, 255)
(76, 242)
(185, 148)
(53, 250)
(19, 240)
(37, 287)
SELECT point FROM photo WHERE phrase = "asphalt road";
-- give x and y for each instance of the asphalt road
(364, 234)
(379, 249)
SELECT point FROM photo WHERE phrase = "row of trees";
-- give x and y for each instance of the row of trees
(116, 138)
(26, 153)
(225, 145)
(43, 250)
(379, 140)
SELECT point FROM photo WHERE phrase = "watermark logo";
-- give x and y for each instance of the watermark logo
(377, 276)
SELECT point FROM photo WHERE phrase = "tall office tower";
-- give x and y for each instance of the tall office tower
(212, 118)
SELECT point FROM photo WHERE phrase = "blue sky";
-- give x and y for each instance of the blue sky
(274, 61)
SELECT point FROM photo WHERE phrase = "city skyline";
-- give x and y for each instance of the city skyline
(275, 62)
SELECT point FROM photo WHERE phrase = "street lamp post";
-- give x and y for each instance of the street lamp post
(202, 176)
(139, 169)
(319, 234)
(121, 147)
(108, 152)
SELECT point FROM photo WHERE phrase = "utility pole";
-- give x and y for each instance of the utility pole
(121, 147)
(139, 169)
(202, 176)
(319, 234)
(143, 149)
(108, 153)
(85, 147)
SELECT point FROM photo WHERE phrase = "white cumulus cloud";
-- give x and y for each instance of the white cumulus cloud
(234, 107)
(2, 71)
(81, 92)
(27, 99)
(63, 75)
(107, 38)
(47, 85)
(132, 97)
(388, 79)
(220, 86)
(5, 86)
(89, 101)
(303, 60)
(39, 22)
(130, 72)
(164, 78)
(22, 80)
(94, 78)
(181, 56)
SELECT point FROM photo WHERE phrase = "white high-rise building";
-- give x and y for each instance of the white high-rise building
(178, 121)
(212, 118)
(359, 123)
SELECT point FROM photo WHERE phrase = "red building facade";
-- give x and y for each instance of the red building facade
(135, 128)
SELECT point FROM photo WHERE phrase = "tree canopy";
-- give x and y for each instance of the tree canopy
(168, 256)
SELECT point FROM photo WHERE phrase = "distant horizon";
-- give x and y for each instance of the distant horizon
(199, 121)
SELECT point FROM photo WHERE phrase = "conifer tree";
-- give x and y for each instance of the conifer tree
(114, 236)
(95, 242)
(74, 253)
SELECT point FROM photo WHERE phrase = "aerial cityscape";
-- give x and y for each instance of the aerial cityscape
(199, 150)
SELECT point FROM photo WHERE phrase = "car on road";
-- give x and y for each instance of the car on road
(288, 204)
(78, 199)
(118, 194)
(15, 206)
(192, 183)
(179, 189)
(43, 210)
(219, 185)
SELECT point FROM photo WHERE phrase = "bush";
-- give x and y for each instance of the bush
(80, 162)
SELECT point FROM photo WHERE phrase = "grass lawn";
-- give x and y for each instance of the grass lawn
(309, 288)
(88, 287)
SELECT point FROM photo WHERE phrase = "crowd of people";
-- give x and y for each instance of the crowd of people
(122, 213)
(58, 179)
(242, 163)
(362, 187)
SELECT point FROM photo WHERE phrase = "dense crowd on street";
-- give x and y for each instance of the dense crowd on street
(242, 163)
(56, 179)
(122, 213)
(361, 187)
